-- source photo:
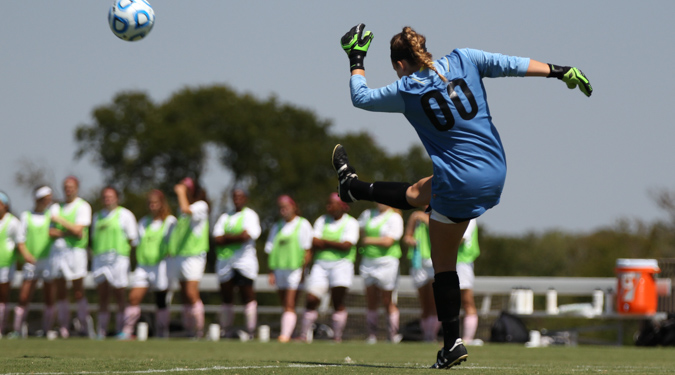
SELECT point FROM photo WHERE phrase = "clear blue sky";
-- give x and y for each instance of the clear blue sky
(575, 163)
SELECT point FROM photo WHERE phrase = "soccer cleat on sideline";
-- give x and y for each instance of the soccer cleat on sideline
(346, 173)
(448, 358)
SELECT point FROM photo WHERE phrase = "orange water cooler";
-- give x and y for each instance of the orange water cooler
(636, 289)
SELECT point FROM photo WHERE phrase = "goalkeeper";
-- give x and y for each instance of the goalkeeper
(445, 101)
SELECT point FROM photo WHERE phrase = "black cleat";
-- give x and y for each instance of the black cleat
(346, 173)
(453, 357)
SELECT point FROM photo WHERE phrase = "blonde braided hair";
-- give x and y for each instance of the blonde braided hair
(411, 46)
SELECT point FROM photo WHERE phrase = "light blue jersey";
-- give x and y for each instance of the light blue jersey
(454, 123)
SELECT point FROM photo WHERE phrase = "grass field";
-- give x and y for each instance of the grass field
(81, 356)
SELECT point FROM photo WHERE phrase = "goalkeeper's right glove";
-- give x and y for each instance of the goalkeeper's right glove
(355, 43)
(572, 77)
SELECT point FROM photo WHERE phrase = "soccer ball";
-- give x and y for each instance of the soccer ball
(131, 20)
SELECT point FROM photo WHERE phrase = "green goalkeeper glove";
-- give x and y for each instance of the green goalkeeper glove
(572, 77)
(355, 43)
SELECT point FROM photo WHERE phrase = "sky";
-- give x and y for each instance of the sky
(574, 163)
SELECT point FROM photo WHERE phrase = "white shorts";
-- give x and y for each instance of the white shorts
(37, 271)
(423, 275)
(328, 274)
(288, 279)
(381, 272)
(466, 275)
(111, 267)
(247, 265)
(70, 264)
(153, 277)
(7, 274)
(186, 268)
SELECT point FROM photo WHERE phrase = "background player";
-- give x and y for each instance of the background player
(35, 225)
(289, 247)
(334, 253)
(381, 230)
(154, 231)
(69, 228)
(11, 239)
(113, 230)
(422, 271)
(188, 246)
(237, 266)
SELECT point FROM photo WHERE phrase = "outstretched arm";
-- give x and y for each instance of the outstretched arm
(572, 76)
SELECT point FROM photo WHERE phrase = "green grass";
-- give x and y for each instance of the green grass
(81, 356)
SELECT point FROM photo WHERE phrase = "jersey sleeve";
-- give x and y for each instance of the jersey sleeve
(269, 244)
(200, 211)
(351, 233)
(318, 226)
(15, 231)
(468, 233)
(393, 228)
(384, 99)
(219, 228)
(129, 225)
(493, 65)
(83, 216)
(306, 234)
(252, 224)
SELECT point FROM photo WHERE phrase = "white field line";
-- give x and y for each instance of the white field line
(161, 371)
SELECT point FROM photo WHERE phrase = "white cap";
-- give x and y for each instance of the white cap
(42, 192)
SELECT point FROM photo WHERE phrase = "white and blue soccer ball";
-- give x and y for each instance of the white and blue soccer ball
(131, 20)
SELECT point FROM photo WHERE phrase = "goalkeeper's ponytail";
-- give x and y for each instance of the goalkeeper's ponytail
(410, 46)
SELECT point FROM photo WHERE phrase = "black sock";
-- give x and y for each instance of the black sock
(392, 194)
(448, 302)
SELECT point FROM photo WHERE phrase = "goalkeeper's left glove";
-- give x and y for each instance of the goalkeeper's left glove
(572, 77)
(355, 43)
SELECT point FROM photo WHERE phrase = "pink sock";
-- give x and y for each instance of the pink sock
(339, 324)
(82, 311)
(371, 322)
(470, 326)
(188, 320)
(288, 320)
(3, 307)
(162, 318)
(103, 320)
(251, 316)
(19, 317)
(308, 319)
(63, 311)
(198, 316)
(119, 320)
(131, 316)
(48, 318)
(394, 318)
(432, 326)
(226, 316)
(424, 326)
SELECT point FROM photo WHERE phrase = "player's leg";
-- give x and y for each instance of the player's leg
(470, 323)
(226, 316)
(400, 195)
(103, 291)
(48, 314)
(445, 237)
(429, 319)
(248, 298)
(21, 309)
(372, 304)
(393, 316)
(339, 295)
(132, 312)
(4, 299)
(62, 306)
